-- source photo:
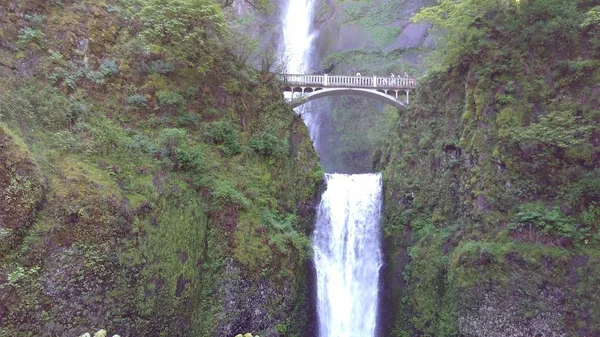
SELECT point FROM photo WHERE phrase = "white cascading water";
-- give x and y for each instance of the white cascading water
(347, 253)
(298, 39)
(347, 243)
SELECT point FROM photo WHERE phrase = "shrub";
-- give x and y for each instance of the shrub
(268, 144)
(225, 193)
(225, 135)
(109, 67)
(141, 144)
(94, 76)
(169, 140)
(284, 237)
(46, 106)
(161, 67)
(35, 19)
(186, 30)
(15, 277)
(190, 120)
(137, 100)
(29, 35)
(191, 159)
(549, 221)
(171, 100)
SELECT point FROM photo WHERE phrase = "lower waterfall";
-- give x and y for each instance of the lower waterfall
(347, 245)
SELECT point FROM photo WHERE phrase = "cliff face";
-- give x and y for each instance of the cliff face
(491, 182)
(149, 189)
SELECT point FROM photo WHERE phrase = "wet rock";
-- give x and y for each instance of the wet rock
(354, 36)
(412, 36)
(494, 313)
(251, 304)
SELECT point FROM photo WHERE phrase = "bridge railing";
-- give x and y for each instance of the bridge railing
(348, 81)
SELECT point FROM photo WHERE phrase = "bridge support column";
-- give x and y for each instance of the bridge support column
(325, 80)
(407, 97)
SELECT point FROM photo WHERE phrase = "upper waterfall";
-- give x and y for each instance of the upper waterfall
(297, 35)
(296, 55)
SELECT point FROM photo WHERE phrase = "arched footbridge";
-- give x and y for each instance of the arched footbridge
(391, 90)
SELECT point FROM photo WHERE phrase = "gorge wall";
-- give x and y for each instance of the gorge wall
(150, 185)
(491, 179)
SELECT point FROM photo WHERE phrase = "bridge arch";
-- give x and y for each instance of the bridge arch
(382, 95)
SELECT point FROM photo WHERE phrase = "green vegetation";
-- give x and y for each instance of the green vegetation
(149, 177)
(495, 170)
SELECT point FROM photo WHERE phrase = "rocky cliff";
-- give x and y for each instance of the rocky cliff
(492, 176)
(151, 183)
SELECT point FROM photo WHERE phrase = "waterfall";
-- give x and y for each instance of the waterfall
(347, 255)
(346, 242)
(298, 38)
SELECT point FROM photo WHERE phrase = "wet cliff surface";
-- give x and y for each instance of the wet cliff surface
(150, 187)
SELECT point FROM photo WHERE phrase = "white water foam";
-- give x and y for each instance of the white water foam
(347, 247)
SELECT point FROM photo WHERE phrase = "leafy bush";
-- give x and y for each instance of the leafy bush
(171, 100)
(283, 235)
(225, 193)
(559, 128)
(141, 144)
(268, 144)
(225, 135)
(170, 139)
(185, 30)
(35, 18)
(548, 221)
(109, 67)
(15, 277)
(161, 67)
(95, 76)
(191, 159)
(190, 120)
(32, 105)
(29, 35)
(137, 100)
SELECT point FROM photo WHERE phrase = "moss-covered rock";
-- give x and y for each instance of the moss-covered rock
(21, 190)
(490, 219)
(169, 193)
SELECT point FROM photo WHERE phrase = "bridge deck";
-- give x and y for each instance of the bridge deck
(340, 81)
